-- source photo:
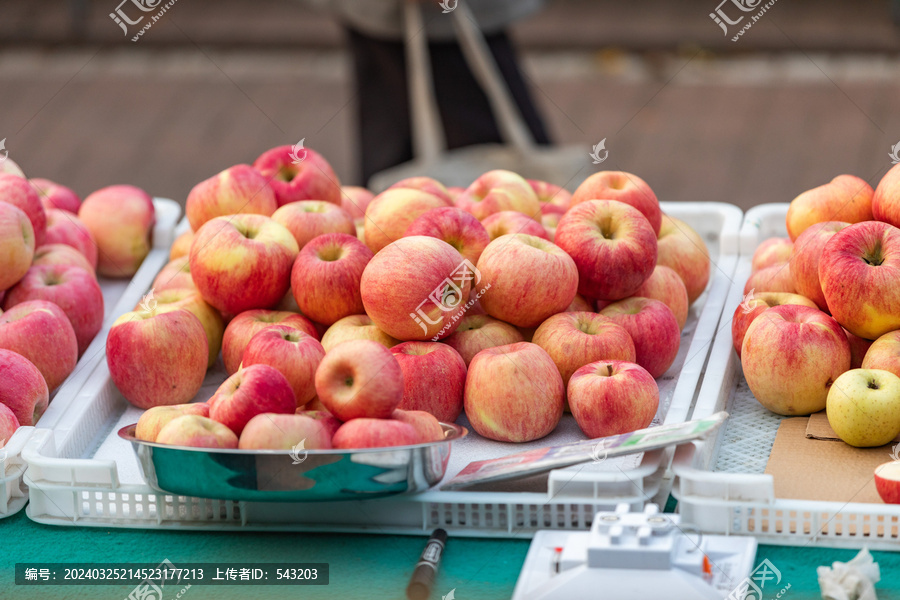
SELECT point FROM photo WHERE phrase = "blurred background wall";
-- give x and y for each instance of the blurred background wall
(811, 91)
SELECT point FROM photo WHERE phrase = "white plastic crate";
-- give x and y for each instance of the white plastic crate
(80, 473)
(116, 294)
(721, 486)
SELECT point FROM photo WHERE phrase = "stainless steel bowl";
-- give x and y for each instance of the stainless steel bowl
(287, 476)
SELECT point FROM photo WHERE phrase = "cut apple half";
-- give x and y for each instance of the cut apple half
(887, 482)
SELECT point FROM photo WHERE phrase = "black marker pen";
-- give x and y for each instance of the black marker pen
(419, 587)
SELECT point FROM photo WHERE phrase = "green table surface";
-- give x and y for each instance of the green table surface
(361, 566)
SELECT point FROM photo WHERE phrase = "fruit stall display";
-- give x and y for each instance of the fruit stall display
(814, 320)
(294, 313)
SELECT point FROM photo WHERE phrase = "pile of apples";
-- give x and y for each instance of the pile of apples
(821, 328)
(52, 248)
(357, 321)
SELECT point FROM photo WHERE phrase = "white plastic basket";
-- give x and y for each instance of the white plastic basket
(116, 294)
(80, 473)
(721, 486)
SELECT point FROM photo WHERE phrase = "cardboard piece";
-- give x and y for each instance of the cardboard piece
(805, 468)
(820, 429)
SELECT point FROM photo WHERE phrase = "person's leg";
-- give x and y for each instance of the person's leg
(382, 103)
(508, 62)
(465, 110)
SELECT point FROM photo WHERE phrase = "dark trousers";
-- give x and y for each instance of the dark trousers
(383, 98)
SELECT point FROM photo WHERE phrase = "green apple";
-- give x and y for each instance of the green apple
(863, 407)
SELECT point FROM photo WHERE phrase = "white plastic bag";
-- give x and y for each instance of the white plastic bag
(854, 580)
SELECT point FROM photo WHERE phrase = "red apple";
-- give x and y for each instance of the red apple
(550, 194)
(480, 332)
(776, 278)
(611, 397)
(8, 424)
(16, 245)
(580, 304)
(391, 212)
(316, 406)
(510, 221)
(427, 185)
(325, 418)
(157, 358)
(496, 191)
(326, 276)
(434, 378)
(792, 357)
(454, 226)
(623, 187)
(272, 431)
(22, 388)
(360, 378)
(243, 327)
(176, 275)
(845, 198)
(18, 192)
(514, 393)
(354, 200)
(355, 327)
(54, 195)
(684, 251)
(295, 354)
(238, 189)
(182, 245)
(613, 246)
(425, 424)
(550, 212)
(805, 259)
(526, 279)
(308, 219)
(416, 288)
(157, 417)
(653, 329)
(242, 262)
(574, 339)
(299, 175)
(858, 349)
(61, 255)
(120, 219)
(770, 252)
(252, 391)
(289, 304)
(755, 305)
(475, 307)
(550, 221)
(68, 229)
(665, 285)
(41, 332)
(195, 431)
(454, 191)
(883, 353)
(886, 199)
(72, 289)
(374, 433)
(191, 301)
(859, 270)
(887, 482)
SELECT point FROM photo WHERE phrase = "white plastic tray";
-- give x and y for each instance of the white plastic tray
(721, 486)
(81, 473)
(13, 494)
